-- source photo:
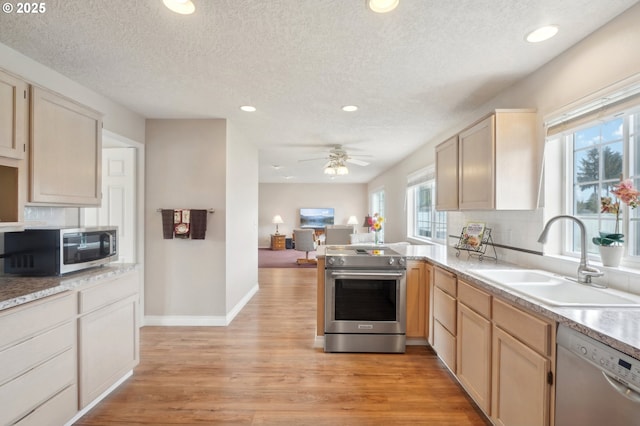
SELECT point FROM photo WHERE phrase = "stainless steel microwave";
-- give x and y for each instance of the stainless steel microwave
(57, 251)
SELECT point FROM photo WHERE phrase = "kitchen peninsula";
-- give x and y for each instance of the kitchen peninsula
(484, 332)
(67, 341)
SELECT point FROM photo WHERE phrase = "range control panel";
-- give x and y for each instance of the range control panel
(619, 365)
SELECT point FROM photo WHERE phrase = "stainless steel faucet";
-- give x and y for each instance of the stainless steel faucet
(585, 272)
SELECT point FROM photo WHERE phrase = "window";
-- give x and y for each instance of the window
(598, 154)
(377, 206)
(423, 221)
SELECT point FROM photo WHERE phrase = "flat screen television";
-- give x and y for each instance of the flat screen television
(316, 218)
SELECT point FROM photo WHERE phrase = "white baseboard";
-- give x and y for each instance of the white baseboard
(201, 320)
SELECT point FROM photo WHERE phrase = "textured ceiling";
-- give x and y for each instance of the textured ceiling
(413, 72)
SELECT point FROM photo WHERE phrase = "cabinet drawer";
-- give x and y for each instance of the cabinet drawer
(444, 310)
(527, 328)
(444, 344)
(20, 358)
(474, 298)
(21, 395)
(24, 321)
(57, 411)
(107, 292)
(445, 281)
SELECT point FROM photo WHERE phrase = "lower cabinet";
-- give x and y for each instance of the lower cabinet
(473, 365)
(502, 355)
(38, 359)
(417, 299)
(107, 335)
(60, 353)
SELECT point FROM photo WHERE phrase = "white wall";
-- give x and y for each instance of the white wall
(186, 166)
(605, 58)
(242, 219)
(286, 199)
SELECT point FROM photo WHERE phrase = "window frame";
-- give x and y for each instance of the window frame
(415, 183)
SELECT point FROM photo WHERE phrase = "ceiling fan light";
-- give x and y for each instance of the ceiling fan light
(342, 170)
(329, 170)
(382, 6)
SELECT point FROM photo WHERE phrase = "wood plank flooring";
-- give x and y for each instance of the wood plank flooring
(263, 370)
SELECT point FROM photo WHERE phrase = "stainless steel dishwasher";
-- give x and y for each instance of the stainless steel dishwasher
(595, 384)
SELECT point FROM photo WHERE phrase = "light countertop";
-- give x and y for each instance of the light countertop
(616, 327)
(16, 291)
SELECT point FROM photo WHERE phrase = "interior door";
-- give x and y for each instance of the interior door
(118, 199)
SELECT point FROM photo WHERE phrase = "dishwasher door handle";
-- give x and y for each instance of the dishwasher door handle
(622, 389)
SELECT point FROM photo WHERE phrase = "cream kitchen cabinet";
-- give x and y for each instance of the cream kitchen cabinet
(65, 151)
(523, 365)
(495, 167)
(14, 112)
(444, 316)
(418, 273)
(38, 357)
(498, 164)
(108, 334)
(473, 363)
(447, 175)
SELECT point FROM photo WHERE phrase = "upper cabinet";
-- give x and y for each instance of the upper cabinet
(66, 143)
(447, 175)
(14, 111)
(497, 164)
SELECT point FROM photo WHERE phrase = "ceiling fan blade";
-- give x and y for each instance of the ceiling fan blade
(313, 159)
(357, 162)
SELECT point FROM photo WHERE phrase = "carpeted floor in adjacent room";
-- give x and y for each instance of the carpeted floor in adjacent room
(268, 258)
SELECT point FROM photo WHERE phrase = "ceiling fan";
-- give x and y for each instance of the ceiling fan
(337, 159)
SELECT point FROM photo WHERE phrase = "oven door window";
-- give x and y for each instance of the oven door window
(87, 246)
(365, 300)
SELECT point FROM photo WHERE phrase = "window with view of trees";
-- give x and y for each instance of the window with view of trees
(600, 154)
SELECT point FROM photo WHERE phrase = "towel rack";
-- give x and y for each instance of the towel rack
(210, 211)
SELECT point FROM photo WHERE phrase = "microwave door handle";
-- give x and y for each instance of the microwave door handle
(103, 237)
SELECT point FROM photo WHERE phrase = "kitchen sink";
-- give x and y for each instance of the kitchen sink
(555, 290)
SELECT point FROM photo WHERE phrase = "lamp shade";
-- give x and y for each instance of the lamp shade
(277, 219)
(352, 220)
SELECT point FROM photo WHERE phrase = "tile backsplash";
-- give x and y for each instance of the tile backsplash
(51, 216)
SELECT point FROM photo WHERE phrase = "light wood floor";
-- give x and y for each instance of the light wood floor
(263, 370)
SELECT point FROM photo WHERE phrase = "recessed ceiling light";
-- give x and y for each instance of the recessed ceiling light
(542, 34)
(382, 6)
(275, 166)
(183, 7)
(350, 108)
(248, 108)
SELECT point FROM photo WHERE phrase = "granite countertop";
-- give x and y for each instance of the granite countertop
(616, 327)
(15, 291)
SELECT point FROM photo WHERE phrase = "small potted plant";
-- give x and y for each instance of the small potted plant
(611, 244)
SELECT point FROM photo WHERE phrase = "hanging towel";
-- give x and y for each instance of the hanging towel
(198, 224)
(167, 224)
(182, 223)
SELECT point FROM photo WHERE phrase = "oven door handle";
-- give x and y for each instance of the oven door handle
(341, 275)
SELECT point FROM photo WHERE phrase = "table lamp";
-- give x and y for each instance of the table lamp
(353, 221)
(277, 219)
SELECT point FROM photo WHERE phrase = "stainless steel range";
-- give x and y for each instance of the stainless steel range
(365, 300)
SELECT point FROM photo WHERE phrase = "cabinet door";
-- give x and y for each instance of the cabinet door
(13, 116)
(66, 144)
(416, 299)
(520, 392)
(473, 363)
(477, 166)
(108, 340)
(447, 175)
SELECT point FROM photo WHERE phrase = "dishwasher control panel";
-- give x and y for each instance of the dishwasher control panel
(624, 368)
